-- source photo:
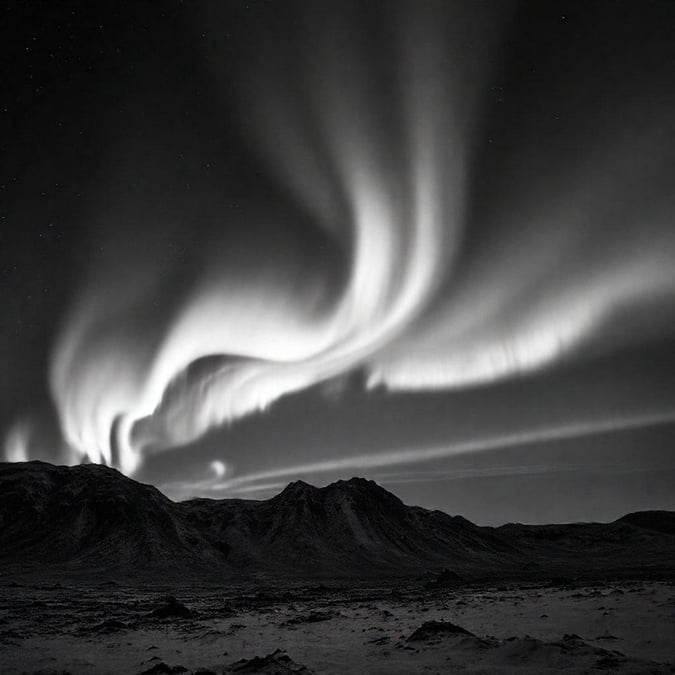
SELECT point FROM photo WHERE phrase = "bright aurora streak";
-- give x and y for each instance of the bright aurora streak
(391, 197)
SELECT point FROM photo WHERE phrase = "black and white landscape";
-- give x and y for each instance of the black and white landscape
(337, 336)
(104, 574)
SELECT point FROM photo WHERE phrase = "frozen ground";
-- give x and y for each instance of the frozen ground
(589, 627)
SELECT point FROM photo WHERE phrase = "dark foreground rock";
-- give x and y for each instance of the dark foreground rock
(162, 668)
(110, 626)
(570, 654)
(431, 630)
(171, 608)
(277, 663)
(446, 579)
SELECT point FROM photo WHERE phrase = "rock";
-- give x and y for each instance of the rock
(434, 629)
(378, 641)
(277, 663)
(157, 669)
(171, 608)
(447, 578)
(314, 617)
(161, 668)
(110, 626)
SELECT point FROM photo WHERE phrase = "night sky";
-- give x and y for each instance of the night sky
(428, 243)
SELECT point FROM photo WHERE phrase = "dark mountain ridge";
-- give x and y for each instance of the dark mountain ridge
(346, 526)
(92, 518)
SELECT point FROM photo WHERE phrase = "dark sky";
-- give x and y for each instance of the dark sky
(430, 243)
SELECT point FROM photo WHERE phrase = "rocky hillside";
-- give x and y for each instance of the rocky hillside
(95, 519)
(345, 528)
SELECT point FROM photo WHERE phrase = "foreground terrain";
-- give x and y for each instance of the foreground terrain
(101, 574)
(589, 627)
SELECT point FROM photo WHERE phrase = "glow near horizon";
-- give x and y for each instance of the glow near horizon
(246, 482)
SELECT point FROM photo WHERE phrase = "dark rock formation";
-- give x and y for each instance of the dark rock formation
(430, 630)
(277, 663)
(91, 519)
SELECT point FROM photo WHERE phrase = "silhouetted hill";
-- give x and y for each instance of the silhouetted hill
(94, 519)
(656, 521)
(598, 548)
(348, 527)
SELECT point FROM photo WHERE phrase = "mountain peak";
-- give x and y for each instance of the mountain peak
(298, 488)
(364, 488)
(355, 486)
(356, 481)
